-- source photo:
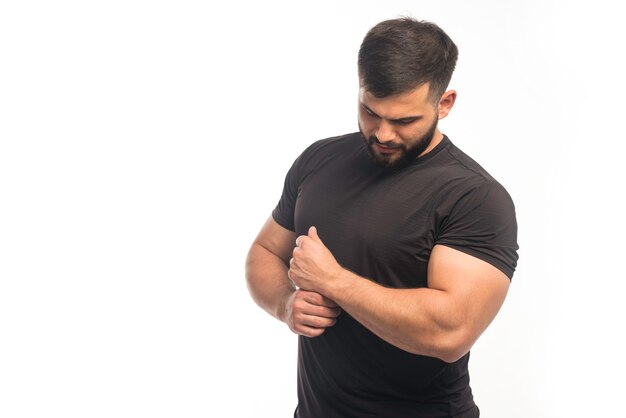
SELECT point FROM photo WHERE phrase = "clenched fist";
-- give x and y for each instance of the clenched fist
(313, 267)
(309, 313)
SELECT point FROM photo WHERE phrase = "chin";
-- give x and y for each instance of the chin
(385, 161)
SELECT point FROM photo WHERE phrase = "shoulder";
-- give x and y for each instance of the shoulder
(460, 174)
(468, 192)
(475, 214)
(455, 161)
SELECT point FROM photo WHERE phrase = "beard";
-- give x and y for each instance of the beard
(404, 155)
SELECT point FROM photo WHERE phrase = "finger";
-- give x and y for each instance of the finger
(328, 302)
(302, 307)
(314, 321)
(324, 312)
(299, 240)
(335, 312)
(309, 332)
(313, 234)
(315, 298)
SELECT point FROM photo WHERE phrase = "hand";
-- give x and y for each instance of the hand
(313, 267)
(309, 313)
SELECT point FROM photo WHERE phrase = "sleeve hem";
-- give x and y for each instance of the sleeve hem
(282, 222)
(507, 270)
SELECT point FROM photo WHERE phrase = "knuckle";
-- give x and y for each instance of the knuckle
(310, 332)
(323, 323)
(318, 332)
(296, 311)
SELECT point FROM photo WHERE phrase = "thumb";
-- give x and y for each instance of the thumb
(313, 234)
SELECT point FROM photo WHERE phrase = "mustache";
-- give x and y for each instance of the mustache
(374, 140)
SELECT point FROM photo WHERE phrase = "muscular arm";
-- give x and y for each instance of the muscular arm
(305, 312)
(266, 268)
(443, 320)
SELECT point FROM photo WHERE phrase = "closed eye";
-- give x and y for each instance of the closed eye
(405, 121)
(369, 111)
(401, 121)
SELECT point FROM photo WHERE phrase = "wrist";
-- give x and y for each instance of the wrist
(283, 305)
(338, 284)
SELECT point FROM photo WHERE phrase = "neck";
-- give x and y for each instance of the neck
(437, 138)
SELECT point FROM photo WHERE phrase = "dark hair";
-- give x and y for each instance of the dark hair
(399, 55)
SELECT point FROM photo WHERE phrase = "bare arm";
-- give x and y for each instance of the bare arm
(443, 320)
(266, 268)
(306, 313)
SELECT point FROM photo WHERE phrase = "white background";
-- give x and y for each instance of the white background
(143, 144)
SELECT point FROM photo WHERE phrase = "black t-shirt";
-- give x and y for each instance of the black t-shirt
(383, 224)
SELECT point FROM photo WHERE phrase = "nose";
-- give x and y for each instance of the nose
(385, 132)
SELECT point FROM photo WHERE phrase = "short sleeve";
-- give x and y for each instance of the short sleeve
(284, 211)
(482, 223)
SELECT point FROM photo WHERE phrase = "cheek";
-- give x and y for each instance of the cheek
(410, 135)
(418, 130)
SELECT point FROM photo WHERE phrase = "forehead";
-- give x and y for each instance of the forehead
(416, 101)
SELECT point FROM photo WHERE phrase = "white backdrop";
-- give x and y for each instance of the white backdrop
(143, 144)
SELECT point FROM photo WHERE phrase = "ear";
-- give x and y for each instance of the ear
(446, 102)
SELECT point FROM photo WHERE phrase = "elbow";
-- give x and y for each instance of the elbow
(451, 356)
(248, 269)
(453, 345)
(253, 266)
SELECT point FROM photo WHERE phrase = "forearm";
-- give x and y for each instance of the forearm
(444, 320)
(267, 280)
(421, 321)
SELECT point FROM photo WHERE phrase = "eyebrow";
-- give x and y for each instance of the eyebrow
(403, 120)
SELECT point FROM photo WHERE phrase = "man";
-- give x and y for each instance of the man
(390, 250)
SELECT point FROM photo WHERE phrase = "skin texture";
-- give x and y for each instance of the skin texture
(298, 280)
(402, 123)
(443, 320)
(305, 312)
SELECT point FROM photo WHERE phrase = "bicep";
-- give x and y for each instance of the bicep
(476, 288)
(276, 239)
